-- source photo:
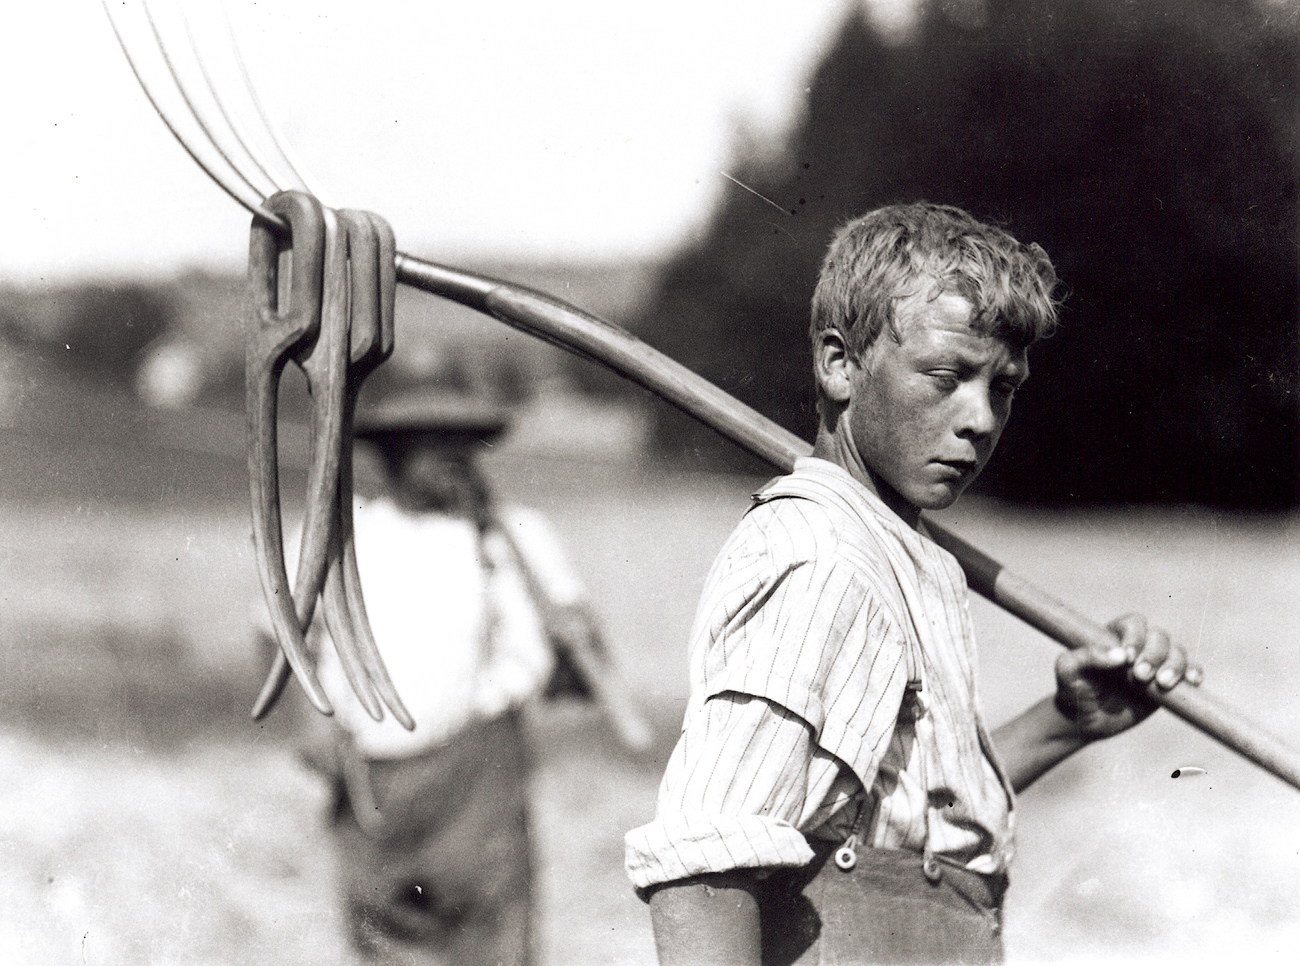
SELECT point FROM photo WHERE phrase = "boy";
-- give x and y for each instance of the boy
(834, 796)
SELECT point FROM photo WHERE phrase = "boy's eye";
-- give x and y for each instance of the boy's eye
(947, 381)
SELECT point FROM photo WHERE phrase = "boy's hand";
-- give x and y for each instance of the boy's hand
(1094, 687)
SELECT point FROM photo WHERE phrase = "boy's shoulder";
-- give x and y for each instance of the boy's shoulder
(799, 518)
(799, 528)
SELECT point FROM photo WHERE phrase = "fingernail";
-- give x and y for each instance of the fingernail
(1142, 670)
(1166, 678)
(1116, 654)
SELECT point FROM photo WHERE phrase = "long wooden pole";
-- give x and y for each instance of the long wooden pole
(595, 339)
(1064, 624)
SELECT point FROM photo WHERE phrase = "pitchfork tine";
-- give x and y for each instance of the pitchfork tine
(341, 625)
(273, 335)
(324, 363)
(236, 129)
(341, 613)
(268, 125)
(246, 196)
(198, 115)
(373, 302)
(356, 234)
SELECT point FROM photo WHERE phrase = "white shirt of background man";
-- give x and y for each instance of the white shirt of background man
(458, 630)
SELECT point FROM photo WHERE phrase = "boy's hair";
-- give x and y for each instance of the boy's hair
(901, 250)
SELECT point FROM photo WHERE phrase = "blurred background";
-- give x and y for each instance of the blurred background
(677, 169)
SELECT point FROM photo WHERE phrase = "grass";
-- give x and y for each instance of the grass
(145, 819)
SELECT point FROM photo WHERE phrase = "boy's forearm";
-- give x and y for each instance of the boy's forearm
(1036, 740)
(709, 920)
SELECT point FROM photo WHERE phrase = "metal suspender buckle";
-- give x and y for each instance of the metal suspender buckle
(931, 868)
(846, 856)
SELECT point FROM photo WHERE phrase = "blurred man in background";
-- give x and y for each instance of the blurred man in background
(476, 613)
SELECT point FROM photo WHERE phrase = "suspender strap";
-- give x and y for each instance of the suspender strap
(797, 487)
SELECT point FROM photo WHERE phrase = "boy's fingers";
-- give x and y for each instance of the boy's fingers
(1068, 664)
(1149, 650)
(1173, 669)
(1080, 663)
(1131, 629)
(1155, 653)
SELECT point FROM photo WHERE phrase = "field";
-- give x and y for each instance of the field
(145, 819)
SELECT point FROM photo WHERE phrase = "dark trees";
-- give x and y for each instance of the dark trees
(1150, 147)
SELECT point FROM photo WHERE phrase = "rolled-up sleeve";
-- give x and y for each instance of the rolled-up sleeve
(733, 795)
(797, 675)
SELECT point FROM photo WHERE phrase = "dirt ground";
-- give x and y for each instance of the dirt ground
(145, 819)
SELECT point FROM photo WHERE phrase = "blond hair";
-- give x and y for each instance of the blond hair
(898, 251)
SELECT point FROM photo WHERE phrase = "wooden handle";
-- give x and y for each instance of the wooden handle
(617, 349)
(1062, 623)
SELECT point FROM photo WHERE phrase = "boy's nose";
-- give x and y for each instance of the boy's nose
(977, 416)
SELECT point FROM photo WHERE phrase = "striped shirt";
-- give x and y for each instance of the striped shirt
(832, 652)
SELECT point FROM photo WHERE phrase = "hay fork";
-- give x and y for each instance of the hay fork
(370, 250)
(597, 340)
(337, 327)
(353, 335)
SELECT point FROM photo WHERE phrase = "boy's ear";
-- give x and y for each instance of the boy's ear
(832, 362)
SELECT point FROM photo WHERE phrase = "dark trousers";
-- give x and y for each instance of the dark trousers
(438, 869)
(884, 910)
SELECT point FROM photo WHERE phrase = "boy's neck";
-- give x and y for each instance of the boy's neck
(835, 448)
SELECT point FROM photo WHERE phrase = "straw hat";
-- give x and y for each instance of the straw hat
(455, 416)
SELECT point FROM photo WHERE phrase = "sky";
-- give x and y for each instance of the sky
(564, 129)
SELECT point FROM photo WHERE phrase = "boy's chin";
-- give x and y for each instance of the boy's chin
(938, 496)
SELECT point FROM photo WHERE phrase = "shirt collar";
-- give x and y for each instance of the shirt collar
(842, 482)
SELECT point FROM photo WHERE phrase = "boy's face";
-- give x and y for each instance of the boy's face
(926, 410)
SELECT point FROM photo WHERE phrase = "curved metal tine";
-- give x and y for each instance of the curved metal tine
(274, 137)
(324, 363)
(272, 338)
(374, 288)
(218, 169)
(189, 91)
(279, 178)
(345, 622)
(354, 669)
(340, 621)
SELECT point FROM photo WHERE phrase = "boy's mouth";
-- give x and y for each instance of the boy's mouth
(958, 468)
